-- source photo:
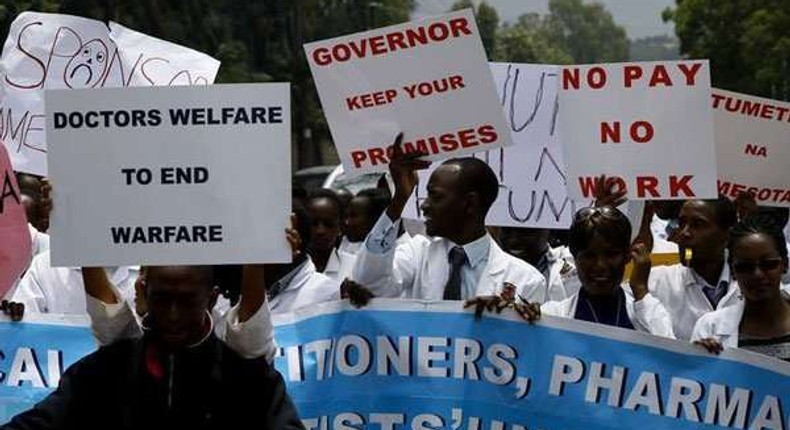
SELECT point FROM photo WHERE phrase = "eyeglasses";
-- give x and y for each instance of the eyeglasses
(764, 265)
(603, 211)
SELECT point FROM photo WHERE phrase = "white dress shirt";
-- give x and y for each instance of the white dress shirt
(419, 267)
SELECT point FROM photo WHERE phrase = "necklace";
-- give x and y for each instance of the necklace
(595, 315)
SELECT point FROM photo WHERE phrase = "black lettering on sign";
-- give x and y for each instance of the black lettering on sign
(123, 235)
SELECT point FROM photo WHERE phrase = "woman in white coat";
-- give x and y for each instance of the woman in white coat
(599, 240)
(761, 321)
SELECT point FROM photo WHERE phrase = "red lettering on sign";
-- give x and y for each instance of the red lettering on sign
(680, 185)
(646, 184)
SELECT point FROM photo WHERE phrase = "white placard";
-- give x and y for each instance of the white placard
(649, 124)
(51, 51)
(753, 147)
(428, 79)
(531, 172)
(170, 175)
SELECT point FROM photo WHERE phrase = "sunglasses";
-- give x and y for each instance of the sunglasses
(749, 266)
(603, 211)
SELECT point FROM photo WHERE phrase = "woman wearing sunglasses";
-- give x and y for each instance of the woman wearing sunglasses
(600, 242)
(761, 321)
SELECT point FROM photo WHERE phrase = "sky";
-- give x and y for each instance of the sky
(639, 17)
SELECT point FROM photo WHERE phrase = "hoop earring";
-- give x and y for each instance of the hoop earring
(143, 319)
(208, 333)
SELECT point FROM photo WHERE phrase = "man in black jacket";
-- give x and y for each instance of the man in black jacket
(178, 375)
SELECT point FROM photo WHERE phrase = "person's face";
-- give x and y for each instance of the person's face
(697, 229)
(601, 266)
(325, 228)
(358, 222)
(178, 298)
(445, 209)
(758, 267)
(528, 244)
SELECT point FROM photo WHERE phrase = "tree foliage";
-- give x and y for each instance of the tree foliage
(747, 42)
(572, 32)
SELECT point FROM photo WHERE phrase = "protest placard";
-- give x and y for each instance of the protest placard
(15, 242)
(170, 175)
(428, 79)
(531, 171)
(647, 124)
(752, 147)
(52, 51)
(406, 364)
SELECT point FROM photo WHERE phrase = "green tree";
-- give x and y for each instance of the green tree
(487, 21)
(586, 31)
(654, 48)
(526, 41)
(747, 42)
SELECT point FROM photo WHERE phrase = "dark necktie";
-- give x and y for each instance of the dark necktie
(452, 291)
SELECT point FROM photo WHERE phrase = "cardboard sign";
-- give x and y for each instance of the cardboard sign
(649, 124)
(531, 172)
(753, 147)
(15, 242)
(50, 51)
(176, 175)
(428, 79)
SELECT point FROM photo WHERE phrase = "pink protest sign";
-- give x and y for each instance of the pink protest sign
(14, 234)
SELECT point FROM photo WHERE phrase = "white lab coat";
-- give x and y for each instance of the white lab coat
(340, 265)
(563, 280)
(307, 288)
(59, 290)
(418, 268)
(683, 298)
(647, 315)
(40, 241)
(722, 325)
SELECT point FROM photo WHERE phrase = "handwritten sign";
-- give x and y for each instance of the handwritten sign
(753, 147)
(15, 242)
(427, 78)
(49, 51)
(531, 172)
(183, 175)
(647, 124)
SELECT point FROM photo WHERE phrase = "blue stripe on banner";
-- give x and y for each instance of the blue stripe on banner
(403, 364)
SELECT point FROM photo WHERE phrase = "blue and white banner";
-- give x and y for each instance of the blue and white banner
(412, 365)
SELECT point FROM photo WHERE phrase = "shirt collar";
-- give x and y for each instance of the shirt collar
(476, 250)
(724, 277)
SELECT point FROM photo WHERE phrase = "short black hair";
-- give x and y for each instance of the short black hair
(607, 222)
(724, 212)
(327, 193)
(379, 200)
(758, 224)
(477, 176)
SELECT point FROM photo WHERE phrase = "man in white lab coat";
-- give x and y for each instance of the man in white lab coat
(704, 283)
(459, 260)
(298, 284)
